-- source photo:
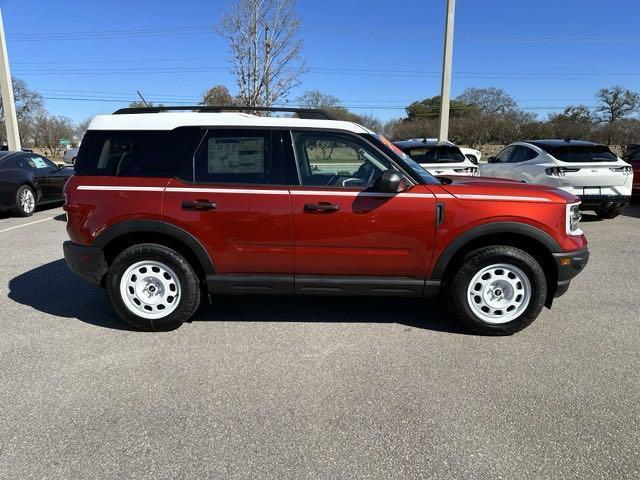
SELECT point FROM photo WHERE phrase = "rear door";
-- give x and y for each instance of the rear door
(342, 226)
(234, 199)
(523, 164)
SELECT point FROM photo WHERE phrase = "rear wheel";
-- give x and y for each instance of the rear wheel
(153, 287)
(25, 201)
(497, 290)
(608, 212)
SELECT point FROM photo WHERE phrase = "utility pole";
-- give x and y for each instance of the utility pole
(8, 102)
(445, 92)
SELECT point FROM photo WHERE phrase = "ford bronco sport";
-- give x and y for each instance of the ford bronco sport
(167, 207)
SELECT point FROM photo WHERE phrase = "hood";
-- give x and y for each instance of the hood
(475, 188)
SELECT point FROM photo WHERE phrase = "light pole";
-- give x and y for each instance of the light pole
(8, 102)
(445, 92)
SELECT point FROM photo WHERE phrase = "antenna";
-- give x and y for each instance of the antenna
(140, 95)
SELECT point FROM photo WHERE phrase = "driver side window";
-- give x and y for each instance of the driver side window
(335, 160)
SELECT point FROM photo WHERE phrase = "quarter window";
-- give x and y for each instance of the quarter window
(335, 160)
(136, 153)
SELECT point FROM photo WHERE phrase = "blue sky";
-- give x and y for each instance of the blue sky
(546, 54)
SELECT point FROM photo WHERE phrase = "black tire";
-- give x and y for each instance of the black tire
(187, 282)
(20, 207)
(608, 212)
(458, 300)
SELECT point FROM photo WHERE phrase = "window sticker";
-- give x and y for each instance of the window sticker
(37, 162)
(236, 155)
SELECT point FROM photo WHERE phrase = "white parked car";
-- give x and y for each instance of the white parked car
(472, 154)
(70, 156)
(438, 158)
(588, 170)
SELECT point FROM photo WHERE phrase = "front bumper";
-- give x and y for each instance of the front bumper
(595, 201)
(88, 262)
(569, 264)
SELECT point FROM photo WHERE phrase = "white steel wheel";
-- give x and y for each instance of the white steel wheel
(150, 289)
(499, 293)
(27, 201)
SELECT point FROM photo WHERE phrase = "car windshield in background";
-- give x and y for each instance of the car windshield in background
(409, 162)
(582, 154)
(439, 154)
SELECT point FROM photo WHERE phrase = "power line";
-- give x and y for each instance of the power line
(332, 71)
(200, 29)
(110, 34)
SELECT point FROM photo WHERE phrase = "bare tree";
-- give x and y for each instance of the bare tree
(217, 96)
(616, 103)
(49, 130)
(262, 36)
(489, 100)
(81, 129)
(28, 102)
(317, 99)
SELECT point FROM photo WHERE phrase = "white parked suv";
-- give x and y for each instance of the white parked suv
(70, 155)
(438, 158)
(588, 170)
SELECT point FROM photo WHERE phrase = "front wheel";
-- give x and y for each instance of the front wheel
(608, 212)
(153, 288)
(497, 290)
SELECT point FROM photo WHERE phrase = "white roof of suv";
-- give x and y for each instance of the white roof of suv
(171, 120)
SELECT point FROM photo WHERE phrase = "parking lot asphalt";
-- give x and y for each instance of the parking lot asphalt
(290, 388)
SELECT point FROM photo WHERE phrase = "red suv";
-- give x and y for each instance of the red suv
(166, 208)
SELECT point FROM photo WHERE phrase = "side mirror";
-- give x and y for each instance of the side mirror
(391, 182)
(491, 160)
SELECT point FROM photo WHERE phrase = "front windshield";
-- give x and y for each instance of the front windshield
(410, 163)
(436, 154)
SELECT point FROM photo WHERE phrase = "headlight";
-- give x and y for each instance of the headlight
(573, 219)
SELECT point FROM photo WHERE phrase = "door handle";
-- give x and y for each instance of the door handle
(321, 207)
(201, 205)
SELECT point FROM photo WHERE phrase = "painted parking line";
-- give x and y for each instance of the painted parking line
(27, 224)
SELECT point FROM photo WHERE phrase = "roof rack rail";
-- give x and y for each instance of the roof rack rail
(305, 113)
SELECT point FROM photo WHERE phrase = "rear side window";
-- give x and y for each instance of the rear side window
(35, 162)
(438, 154)
(595, 153)
(242, 157)
(522, 154)
(135, 153)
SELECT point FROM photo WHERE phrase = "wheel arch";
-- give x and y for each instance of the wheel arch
(119, 236)
(526, 237)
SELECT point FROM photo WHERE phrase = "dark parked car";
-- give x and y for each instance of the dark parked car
(632, 156)
(28, 180)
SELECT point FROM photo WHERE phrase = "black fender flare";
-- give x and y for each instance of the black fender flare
(155, 226)
(474, 233)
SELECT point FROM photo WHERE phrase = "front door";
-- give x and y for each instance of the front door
(236, 203)
(499, 167)
(342, 226)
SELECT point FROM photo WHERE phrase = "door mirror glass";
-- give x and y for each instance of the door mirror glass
(491, 160)
(391, 182)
